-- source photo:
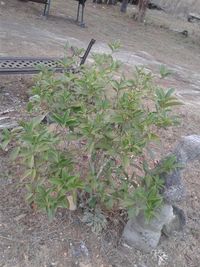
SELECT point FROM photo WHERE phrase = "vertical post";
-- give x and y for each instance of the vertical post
(82, 4)
(47, 8)
(77, 17)
(82, 24)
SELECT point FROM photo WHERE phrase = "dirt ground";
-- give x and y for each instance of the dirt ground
(28, 238)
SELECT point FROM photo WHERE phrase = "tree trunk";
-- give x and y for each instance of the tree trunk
(124, 5)
(142, 7)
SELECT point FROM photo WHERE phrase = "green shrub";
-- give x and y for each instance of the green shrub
(101, 126)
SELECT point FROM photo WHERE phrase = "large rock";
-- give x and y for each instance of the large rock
(176, 224)
(143, 235)
(179, 7)
(186, 151)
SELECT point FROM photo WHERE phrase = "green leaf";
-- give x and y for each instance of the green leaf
(30, 106)
(37, 120)
(114, 46)
(125, 161)
(33, 174)
(27, 174)
(91, 147)
(15, 153)
(56, 181)
(164, 72)
(4, 144)
(170, 92)
(29, 197)
(5, 139)
(30, 161)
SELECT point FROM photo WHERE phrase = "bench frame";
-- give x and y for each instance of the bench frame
(47, 6)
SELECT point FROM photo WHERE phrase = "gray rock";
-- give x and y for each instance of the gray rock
(143, 235)
(174, 194)
(186, 151)
(176, 224)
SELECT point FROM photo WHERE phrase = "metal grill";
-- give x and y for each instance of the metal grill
(28, 65)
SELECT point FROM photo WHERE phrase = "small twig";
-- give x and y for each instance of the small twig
(6, 111)
(102, 168)
(91, 164)
(4, 118)
(11, 239)
(131, 181)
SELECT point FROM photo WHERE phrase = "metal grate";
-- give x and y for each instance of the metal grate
(28, 65)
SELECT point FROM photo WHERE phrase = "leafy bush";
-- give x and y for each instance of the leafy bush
(89, 137)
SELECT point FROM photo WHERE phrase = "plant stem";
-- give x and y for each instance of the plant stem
(102, 167)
